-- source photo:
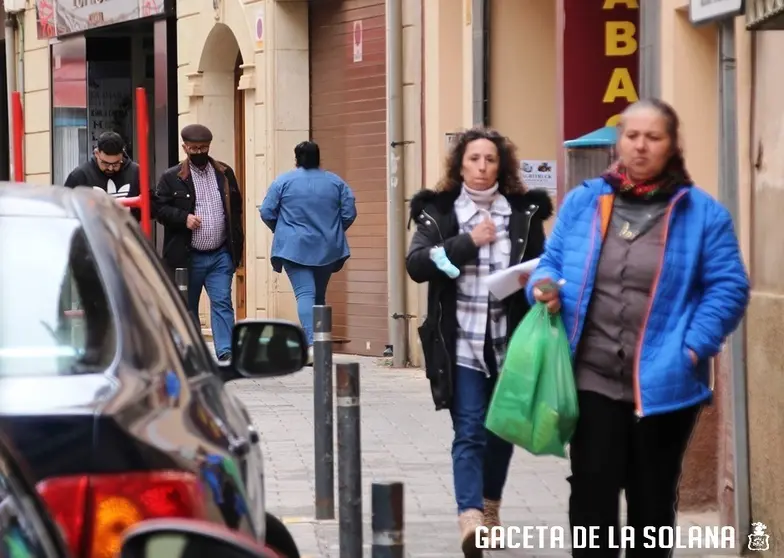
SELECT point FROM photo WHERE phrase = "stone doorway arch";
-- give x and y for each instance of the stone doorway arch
(220, 105)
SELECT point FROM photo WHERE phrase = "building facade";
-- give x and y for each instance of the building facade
(267, 74)
(80, 79)
(263, 76)
(761, 116)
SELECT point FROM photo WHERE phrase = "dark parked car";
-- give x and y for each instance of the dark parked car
(27, 530)
(107, 388)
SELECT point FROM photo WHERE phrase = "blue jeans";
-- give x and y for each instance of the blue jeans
(480, 459)
(213, 271)
(310, 288)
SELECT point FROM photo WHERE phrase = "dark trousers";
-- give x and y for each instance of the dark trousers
(612, 450)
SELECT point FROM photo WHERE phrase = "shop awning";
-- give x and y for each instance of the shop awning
(764, 15)
(603, 137)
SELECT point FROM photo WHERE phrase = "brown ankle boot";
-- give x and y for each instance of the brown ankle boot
(492, 518)
(469, 521)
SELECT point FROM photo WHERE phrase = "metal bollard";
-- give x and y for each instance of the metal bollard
(322, 412)
(181, 280)
(349, 461)
(387, 504)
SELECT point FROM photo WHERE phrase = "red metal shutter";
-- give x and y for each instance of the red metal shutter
(348, 121)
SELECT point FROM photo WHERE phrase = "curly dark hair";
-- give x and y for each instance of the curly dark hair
(509, 181)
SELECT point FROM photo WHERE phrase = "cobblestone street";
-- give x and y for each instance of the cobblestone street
(403, 439)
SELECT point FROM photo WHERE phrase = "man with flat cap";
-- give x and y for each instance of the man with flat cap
(199, 204)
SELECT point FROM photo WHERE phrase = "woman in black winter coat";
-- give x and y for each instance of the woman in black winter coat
(484, 220)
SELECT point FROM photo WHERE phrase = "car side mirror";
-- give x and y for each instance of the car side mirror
(187, 538)
(267, 348)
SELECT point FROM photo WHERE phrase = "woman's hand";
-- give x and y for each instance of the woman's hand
(694, 358)
(547, 292)
(484, 232)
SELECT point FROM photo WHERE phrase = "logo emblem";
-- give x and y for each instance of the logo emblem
(758, 539)
(114, 191)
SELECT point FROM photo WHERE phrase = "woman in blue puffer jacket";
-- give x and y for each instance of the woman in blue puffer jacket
(646, 271)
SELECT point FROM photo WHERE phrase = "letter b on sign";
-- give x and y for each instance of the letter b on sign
(619, 38)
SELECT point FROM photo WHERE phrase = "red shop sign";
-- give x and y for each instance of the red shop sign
(601, 64)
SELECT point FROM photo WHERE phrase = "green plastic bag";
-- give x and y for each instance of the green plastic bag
(534, 405)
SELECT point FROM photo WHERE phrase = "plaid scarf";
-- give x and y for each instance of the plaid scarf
(661, 187)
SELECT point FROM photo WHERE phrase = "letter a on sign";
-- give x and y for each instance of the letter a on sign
(358, 41)
(610, 4)
(620, 86)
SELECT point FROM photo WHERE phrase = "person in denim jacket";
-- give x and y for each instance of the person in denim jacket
(309, 210)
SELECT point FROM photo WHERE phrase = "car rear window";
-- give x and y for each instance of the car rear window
(54, 313)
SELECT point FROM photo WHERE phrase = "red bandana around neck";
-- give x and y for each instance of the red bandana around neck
(662, 186)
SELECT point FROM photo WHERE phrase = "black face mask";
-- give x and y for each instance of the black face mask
(199, 159)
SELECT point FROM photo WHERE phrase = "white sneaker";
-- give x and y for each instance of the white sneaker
(310, 357)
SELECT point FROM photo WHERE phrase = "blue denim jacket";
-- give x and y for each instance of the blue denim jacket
(309, 212)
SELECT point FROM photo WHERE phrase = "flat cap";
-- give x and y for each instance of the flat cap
(196, 133)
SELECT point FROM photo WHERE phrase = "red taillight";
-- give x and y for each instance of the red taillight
(67, 500)
(94, 511)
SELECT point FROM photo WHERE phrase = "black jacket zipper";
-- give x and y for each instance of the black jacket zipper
(425, 216)
(531, 212)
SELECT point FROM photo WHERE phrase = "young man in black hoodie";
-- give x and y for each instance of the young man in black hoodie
(109, 169)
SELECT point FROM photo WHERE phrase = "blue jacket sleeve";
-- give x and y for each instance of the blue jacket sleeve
(348, 206)
(725, 285)
(270, 207)
(550, 263)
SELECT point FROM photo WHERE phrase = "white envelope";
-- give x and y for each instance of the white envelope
(506, 282)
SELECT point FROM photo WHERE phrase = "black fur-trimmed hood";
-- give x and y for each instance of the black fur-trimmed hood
(444, 202)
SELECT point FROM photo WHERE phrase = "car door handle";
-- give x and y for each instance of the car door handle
(239, 447)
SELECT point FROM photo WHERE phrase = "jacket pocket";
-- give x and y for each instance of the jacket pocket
(182, 200)
(702, 372)
(437, 367)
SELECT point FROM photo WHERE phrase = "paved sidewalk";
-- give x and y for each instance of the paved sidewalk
(403, 439)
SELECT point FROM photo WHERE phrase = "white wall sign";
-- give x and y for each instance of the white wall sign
(259, 29)
(539, 174)
(79, 15)
(702, 11)
(451, 138)
(358, 41)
